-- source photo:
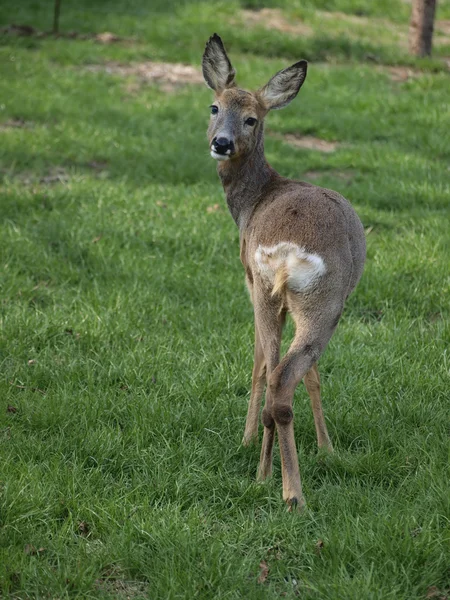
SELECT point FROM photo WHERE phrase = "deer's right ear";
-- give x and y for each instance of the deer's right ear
(216, 66)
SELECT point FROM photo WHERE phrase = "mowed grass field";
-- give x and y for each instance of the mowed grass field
(126, 330)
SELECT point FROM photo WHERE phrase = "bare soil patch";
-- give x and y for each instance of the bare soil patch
(308, 142)
(361, 26)
(168, 75)
(123, 590)
(53, 175)
(334, 173)
(15, 124)
(97, 165)
(443, 26)
(59, 174)
(354, 19)
(442, 33)
(273, 18)
(116, 585)
(105, 37)
(400, 74)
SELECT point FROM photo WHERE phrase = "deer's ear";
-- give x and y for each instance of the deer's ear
(217, 69)
(284, 86)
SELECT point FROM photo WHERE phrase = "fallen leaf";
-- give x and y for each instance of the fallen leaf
(32, 551)
(83, 528)
(96, 239)
(31, 361)
(11, 409)
(264, 571)
(319, 546)
(213, 208)
(161, 204)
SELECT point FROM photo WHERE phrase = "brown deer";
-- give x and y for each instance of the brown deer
(303, 250)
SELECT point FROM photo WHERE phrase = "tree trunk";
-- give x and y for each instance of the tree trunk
(421, 27)
(56, 16)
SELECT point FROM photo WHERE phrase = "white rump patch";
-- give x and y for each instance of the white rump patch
(302, 268)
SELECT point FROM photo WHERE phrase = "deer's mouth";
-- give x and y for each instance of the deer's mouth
(222, 148)
(218, 156)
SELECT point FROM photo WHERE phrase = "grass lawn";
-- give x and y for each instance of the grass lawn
(126, 332)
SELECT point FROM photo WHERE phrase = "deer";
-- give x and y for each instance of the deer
(303, 250)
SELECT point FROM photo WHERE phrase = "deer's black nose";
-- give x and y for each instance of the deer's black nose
(223, 145)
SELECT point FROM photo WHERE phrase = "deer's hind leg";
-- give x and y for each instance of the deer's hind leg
(266, 456)
(258, 385)
(270, 317)
(311, 338)
(312, 384)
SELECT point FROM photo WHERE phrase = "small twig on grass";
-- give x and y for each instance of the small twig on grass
(24, 387)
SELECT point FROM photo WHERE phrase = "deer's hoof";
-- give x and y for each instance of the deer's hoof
(249, 440)
(326, 449)
(296, 504)
(263, 474)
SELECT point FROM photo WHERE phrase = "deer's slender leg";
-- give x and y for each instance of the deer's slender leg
(281, 387)
(258, 385)
(265, 458)
(312, 384)
(270, 330)
(314, 321)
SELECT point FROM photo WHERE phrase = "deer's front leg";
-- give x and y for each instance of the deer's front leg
(258, 385)
(312, 384)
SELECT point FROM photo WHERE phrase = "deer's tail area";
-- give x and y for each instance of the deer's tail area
(280, 281)
(287, 266)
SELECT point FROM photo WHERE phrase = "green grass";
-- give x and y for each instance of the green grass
(126, 331)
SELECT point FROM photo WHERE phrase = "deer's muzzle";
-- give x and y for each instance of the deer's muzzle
(222, 148)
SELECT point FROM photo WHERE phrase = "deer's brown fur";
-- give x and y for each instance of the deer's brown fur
(303, 251)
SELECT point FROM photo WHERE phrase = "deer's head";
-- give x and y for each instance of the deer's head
(237, 116)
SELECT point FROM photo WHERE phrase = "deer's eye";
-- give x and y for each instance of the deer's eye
(214, 109)
(250, 121)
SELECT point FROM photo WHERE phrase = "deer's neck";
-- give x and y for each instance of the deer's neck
(244, 180)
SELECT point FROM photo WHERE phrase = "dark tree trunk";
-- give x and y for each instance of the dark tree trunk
(56, 16)
(421, 27)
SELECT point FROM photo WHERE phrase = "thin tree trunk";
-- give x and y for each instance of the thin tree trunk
(421, 27)
(56, 16)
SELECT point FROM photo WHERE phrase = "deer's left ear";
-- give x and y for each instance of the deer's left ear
(284, 86)
(217, 69)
